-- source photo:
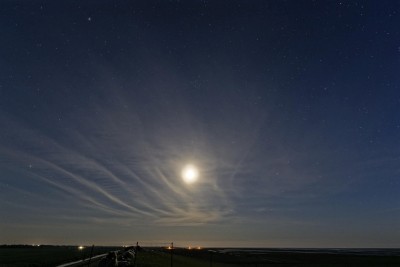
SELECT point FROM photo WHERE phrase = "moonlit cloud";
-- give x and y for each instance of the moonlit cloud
(111, 160)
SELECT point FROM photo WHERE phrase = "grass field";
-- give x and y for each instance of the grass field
(162, 258)
(159, 257)
(205, 258)
(44, 256)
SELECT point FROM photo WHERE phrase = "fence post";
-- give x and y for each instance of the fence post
(91, 255)
(172, 254)
(136, 253)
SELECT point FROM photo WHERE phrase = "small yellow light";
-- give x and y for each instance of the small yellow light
(81, 247)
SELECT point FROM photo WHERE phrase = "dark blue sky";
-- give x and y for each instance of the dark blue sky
(289, 109)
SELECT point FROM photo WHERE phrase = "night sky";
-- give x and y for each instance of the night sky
(290, 111)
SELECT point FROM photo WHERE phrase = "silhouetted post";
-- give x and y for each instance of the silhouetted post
(136, 253)
(83, 255)
(91, 255)
(172, 254)
(210, 258)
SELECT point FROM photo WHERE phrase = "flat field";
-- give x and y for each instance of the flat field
(289, 258)
(158, 257)
(162, 258)
(265, 258)
(294, 258)
(44, 256)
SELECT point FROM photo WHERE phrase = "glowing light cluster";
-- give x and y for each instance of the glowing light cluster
(190, 247)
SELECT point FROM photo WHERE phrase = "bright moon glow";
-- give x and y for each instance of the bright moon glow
(190, 174)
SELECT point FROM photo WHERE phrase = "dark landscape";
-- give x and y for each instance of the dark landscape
(45, 256)
(29, 256)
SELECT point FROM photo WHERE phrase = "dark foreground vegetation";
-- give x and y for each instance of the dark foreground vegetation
(287, 258)
(260, 258)
(44, 256)
(180, 257)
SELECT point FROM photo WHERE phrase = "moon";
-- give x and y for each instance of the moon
(190, 174)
